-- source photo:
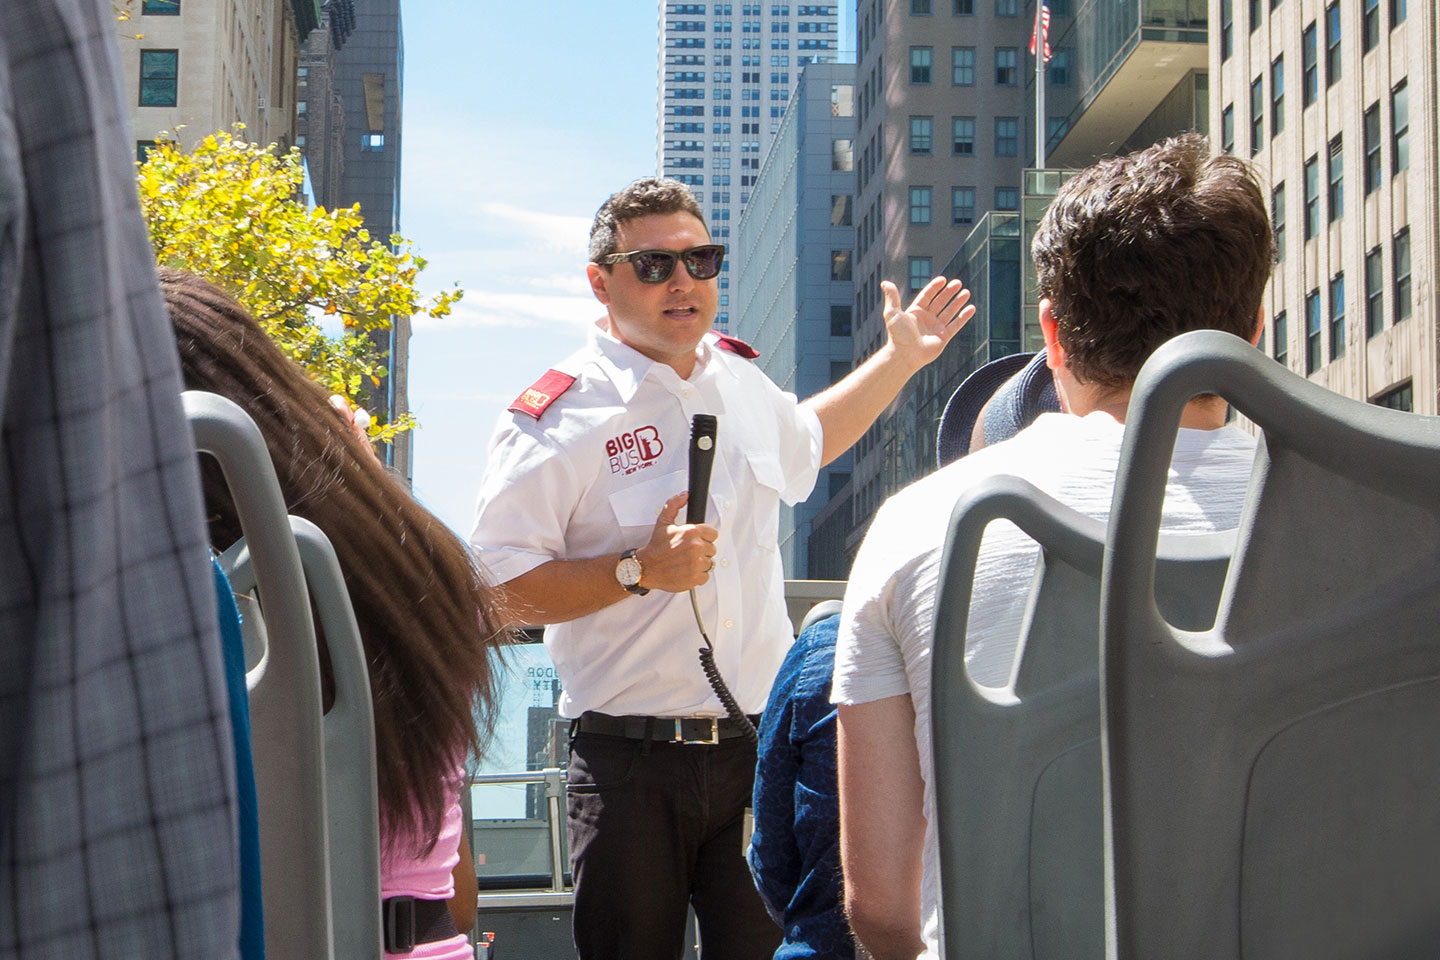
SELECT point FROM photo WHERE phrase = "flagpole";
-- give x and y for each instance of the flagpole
(1040, 39)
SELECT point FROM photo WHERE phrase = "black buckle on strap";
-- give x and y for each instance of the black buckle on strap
(399, 924)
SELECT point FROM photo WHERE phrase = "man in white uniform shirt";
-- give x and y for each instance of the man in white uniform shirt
(579, 520)
(1132, 252)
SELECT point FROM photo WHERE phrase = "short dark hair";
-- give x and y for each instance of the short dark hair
(644, 197)
(1138, 249)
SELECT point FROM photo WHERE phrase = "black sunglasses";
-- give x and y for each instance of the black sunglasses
(655, 266)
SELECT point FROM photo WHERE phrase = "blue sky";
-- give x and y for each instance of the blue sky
(519, 120)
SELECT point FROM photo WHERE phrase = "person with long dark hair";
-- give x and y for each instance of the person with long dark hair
(427, 617)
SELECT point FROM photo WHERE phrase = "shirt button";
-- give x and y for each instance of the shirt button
(729, 624)
(726, 504)
(685, 394)
(724, 561)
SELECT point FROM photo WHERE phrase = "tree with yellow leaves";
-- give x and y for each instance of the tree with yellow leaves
(231, 212)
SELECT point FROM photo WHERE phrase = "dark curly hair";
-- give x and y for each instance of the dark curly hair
(428, 619)
(1138, 249)
(644, 197)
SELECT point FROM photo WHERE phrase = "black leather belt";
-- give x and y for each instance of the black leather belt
(409, 921)
(662, 729)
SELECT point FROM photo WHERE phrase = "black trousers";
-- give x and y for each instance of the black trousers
(655, 828)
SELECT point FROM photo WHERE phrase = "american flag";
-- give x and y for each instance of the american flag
(1044, 31)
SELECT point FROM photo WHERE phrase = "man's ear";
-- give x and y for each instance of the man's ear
(1259, 326)
(599, 279)
(1050, 330)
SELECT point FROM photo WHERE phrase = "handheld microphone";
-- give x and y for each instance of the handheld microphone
(702, 458)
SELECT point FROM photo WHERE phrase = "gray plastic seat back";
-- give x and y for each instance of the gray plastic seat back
(1017, 769)
(351, 797)
(286, 738)
(1272, 783)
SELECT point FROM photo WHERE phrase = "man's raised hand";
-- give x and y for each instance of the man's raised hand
(920, 332)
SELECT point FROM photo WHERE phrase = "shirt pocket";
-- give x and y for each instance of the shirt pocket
(639, 504)
(769, 480)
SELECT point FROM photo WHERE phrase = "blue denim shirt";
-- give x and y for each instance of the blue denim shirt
(795, 850)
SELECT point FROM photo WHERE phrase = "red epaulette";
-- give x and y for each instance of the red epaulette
(737, 346)
(543, 392)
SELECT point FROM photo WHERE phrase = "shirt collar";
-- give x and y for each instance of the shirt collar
(626, 367)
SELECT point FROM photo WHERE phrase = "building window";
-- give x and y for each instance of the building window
(1254, 15)
(963, 136)
(1277, 96)
(1312, 331)
(839, 370)
(1337, 316)
(1059, 68)
(1280, 337)
(839, 264)
(1400, 127)
(840, 319)
(1337, 181)
(1401, 398)
(1007, 136)
(920, 61)
(963, 8)
(920, 203)
(1309, 78)
(1397, 12)
(1332, 43)
(920, 7)
(1400, 256)
(1370, 25)
(1374, 292)
(302, 108)
(160, 8)
(372, 143)
(1227, 29)
(159, 77)
(1227, 129)
(1277, 218)
(922, 134)
(1372, 148)
(142, 149)
(920, 273)
(962, 205)
(842, 97)
(837, 483)
(962, 66)
(1007, 70)
(1007, 198)
(1007, 8)
(1257, 115)
(1312, 197)
(841, 206)
(842, 155)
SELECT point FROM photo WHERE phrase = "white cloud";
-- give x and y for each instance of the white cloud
(557, 231)
(482, 308)
(574, 284)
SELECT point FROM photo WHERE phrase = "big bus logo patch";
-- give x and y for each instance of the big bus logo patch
(633, 451)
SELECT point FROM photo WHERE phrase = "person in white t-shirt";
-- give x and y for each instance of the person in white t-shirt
(1133, 251)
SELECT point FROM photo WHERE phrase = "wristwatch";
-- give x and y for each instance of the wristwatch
(629, 571)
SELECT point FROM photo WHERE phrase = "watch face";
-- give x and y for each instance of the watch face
(627, 571)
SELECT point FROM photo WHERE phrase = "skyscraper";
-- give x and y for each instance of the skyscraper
(726, 73)
(194, 67)
(1336, 104)
(792, 284)
(369, 77)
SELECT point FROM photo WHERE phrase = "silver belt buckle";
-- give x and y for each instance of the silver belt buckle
(714, 737)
